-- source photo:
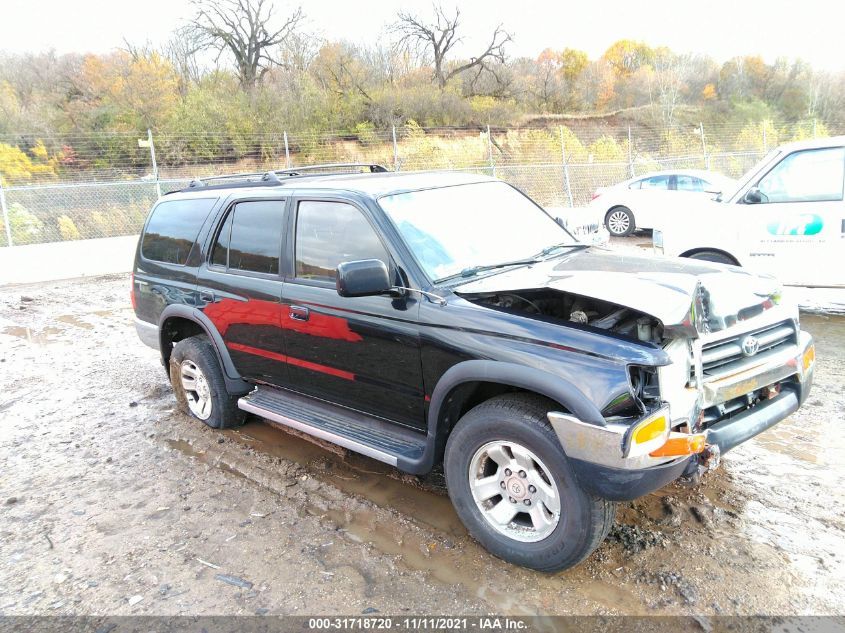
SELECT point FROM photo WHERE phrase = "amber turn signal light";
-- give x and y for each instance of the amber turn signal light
(809, 357)
(681, 444)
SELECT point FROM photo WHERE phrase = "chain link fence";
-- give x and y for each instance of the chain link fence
(103, 186)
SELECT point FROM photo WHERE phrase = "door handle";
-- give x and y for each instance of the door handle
(299, 313)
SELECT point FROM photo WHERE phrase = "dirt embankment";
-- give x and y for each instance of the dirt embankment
(113, 502)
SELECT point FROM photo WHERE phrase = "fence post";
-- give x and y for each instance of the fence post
(490, 152)
(566, 185)
(395, 151)
(287, 152)
(5, 215)
(765, 142)
(153, 158)
(630, 154)
(703, 146)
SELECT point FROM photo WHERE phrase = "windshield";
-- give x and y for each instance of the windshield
(452, 229)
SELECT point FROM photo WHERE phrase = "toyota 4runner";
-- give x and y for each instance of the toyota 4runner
(428, 319)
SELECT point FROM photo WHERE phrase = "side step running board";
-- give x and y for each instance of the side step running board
(356, 431)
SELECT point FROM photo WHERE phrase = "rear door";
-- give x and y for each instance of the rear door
(240, 286)
(358, 352)
(796, 230)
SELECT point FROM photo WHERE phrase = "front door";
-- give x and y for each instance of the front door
(359, 352)
(240, 287)
(795, 231)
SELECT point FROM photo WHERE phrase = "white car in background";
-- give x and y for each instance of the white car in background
(640, 203)
(786, 217)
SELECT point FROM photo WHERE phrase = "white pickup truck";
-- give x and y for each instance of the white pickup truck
(786, 217)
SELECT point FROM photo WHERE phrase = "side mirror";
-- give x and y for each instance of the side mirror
(753, 196)
(363, 278)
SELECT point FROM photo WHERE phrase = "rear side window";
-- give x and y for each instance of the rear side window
(173, 228)
(330, 233)
(251, 237)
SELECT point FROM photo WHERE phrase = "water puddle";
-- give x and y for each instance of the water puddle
(75, 321)
(425, 500)
(37, 337)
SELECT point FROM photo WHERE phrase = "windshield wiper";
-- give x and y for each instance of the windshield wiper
(551, 249)
(472, 271)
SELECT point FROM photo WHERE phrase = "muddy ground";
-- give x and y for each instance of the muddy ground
(112, 502)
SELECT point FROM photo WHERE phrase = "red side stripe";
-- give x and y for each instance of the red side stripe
(332, 371)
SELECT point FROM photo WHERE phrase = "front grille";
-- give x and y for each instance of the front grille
(726, 356)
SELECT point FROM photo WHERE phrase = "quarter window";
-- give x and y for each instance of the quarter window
(173, 228)
(329, 233)
(251, 237)
(806, 176)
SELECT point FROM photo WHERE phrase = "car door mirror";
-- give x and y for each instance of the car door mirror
(753, 196)
(363, 278)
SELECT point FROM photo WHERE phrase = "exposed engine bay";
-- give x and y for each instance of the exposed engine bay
(572, 308)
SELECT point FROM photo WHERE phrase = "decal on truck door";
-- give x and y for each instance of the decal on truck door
(803, 224)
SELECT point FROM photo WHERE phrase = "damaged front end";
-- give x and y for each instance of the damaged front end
(714, 392)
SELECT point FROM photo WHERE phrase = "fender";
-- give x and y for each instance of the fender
(529, 378)
(234, 383)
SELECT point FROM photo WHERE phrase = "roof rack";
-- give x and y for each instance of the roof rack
(272, 179)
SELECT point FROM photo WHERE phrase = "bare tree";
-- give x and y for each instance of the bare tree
(668, 82)
(183, 49)
(243, 29)
(439, 37)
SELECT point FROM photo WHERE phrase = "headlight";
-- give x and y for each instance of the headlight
(657, 239)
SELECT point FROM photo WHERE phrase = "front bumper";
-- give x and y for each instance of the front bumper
(597, 453)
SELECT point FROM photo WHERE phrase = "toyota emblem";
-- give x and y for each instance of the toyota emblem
(750, 345)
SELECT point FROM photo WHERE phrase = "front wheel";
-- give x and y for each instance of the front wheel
(514, 489)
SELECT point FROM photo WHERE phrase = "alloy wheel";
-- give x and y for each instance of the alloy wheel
(514, 491)
(197, 389)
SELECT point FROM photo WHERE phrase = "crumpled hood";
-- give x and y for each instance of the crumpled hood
(662, 287)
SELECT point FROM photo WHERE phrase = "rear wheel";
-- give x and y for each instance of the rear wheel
(714, 256)
(619, 221)
(514, 489)
(199, 385)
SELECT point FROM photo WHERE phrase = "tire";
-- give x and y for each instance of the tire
(194, 362)
(713, 256)
(518, 421)
(619, 222)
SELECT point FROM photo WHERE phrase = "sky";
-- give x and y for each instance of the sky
(811, 29)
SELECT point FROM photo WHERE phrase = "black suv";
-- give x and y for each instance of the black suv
(443, 318)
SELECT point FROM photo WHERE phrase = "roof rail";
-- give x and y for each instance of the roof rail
(271, 178)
